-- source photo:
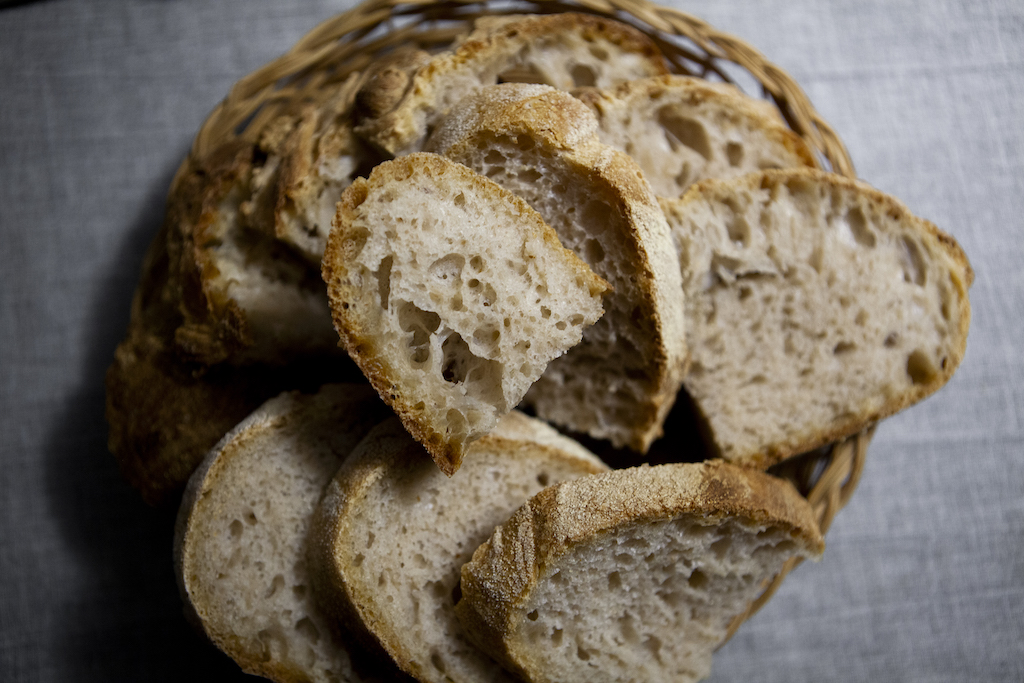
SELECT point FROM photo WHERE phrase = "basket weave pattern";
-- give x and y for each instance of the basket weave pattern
(346, 44)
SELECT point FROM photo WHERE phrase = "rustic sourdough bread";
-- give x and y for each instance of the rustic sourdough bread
(166, 411)
(681, 130)
(313, 155)
(815, 306)
(244, 295)
(634, 575)
(540, 144)
(452, 295)
(240, 546)
(562, 50)
(392, 532)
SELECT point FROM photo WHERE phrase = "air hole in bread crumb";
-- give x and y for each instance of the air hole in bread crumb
(556, 637)
(448, 268)
(891, 340)
(383, 275)
(236, 529)
(533, 616)
(358, 559)
(299, 592)
(437, 661)
(593, 252)
(583, 76)
(698, 579)
(543, 479)
(275, 585)
(582, 653)
(477, 264)
(308, 630)
(734, 153)
(920, 367)
(494, 157)
(843, 347)
(614, 581)
(721, 547)
(251, 518)
(460, 199)
(598, 52)
(529, 176)
(912, 262)
(681, 130)
(859, 228)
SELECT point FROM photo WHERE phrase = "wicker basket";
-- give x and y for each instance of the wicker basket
(347, 43)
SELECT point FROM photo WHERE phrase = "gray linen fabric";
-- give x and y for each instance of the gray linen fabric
(923, 578)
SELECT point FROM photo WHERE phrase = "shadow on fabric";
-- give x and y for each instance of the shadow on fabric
(127, 622)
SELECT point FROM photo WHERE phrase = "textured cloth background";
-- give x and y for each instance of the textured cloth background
(923, 578)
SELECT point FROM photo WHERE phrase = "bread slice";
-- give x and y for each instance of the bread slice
(816, 306)
(681, 130)
(240, 545)
(313, 155)
(561, 50)
(540, 144)
(634, 575)
(392, 532)
(245, 296)
(452, 296)
(166, 412)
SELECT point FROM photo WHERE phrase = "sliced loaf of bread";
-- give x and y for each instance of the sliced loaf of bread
(540, 144)
(816, 305)
(452, 295)
(240, 546)
(681, 130)
(633, 575)
(166, 411)
(244, 295)
(562, 50)
(392, 532)
(313, 155)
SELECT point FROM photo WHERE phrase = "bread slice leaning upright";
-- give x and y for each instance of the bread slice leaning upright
(452, 295)
(392, 532)
(633, 575)
(540, 143)
(240, 542)
(816, 306)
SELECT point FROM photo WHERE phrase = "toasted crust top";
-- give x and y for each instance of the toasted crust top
(494, 47)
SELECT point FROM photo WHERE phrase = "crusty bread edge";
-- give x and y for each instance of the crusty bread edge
(350, 485)
(497, 582)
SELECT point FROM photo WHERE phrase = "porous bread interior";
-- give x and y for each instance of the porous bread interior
(516, 49)
(410, 531)
(668, 591)
(603, 386)
(461, 294)
(682, 130)
(243, 555)
(812, 308)
(284, 305)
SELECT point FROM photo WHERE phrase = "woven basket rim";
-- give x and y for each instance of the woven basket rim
(346, 43)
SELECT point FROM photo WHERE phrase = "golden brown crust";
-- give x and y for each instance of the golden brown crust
(498, 581)
(400, 129)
